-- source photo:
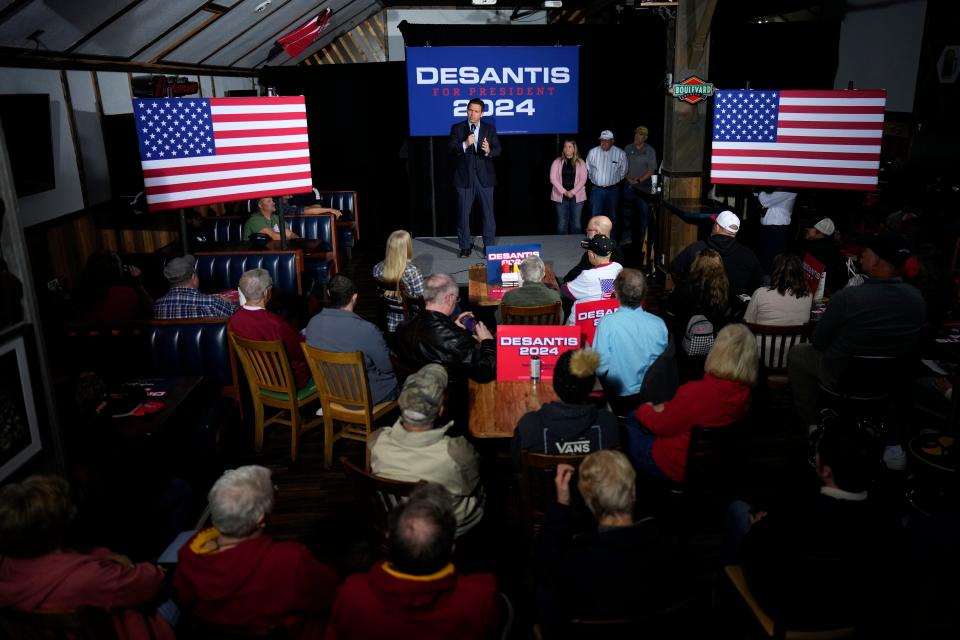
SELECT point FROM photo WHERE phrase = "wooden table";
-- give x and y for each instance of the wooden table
(478, 288)
(176, 391)
(496, 407)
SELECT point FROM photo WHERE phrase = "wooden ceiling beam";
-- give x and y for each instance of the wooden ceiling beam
(12, 57)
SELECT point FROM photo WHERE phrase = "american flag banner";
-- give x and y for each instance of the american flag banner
(205, 150)
(817, 139)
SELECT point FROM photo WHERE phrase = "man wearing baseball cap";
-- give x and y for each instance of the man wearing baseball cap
(417, 447)
(822, 246)
(741, 264)
(595, 283)
(183, 300)
(606, 167)
(641, 164)
(881, 317)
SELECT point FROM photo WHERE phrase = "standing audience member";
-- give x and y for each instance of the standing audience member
(595, 225)
(532, 292)
(253, 322)
(574, 424)
(641, 165)
(629, 342)
(184, 300)
(814, 561)
(38, 573)
(743, 269)
(786, 302)
(774, 224)
(606, 166)
(417, 447)
(338, 328)
(568, 177)
(418, 592)
(622, 569)
(821, 244)
(595, 283)
(396, 267)
(881, 317)
(658, 435)
(238, 579)
(110, 292)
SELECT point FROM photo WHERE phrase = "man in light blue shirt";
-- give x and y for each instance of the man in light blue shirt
(606, 167)
(628, 341)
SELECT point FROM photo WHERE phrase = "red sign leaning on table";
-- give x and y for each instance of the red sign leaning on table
(516, 344)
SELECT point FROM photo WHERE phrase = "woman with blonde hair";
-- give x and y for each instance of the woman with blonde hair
(396, 267)
(568, 176)
(658, 436)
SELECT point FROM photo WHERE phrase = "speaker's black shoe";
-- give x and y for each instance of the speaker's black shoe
(464, 253)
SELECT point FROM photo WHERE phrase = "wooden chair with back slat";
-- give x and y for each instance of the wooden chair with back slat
(412, 305)
(774, 344)
(272, 384)
(545, 314)
(534, 468)
(379, 496)
(345, 397)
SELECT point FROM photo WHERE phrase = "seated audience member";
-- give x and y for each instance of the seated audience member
(816, 560)
(183, 300)
(289, 209)
(338, 328)
(705, 291)
(786, 302)
(629, 342)
(532, 291)
(253, 322)
(237, 578)
(433, 336)
(881, 317)
(621, 570)
(658, 436)
(266, 221)
(574, 424)
(741, 264)
(596, 225)
(417, 447)
(595, 283)
(418, 593)
(108, 291)
(38, 573)
(820, 244)
(397, 266)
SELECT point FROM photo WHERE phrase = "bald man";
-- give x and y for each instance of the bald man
(597, 224)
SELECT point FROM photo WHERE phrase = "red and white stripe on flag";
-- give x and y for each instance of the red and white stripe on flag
(817, 139)
(296, 42)
(205, 150)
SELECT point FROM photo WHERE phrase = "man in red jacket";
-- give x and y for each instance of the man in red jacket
(418, 593)
(238, 579)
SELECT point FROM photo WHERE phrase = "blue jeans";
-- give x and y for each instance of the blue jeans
(633, 201)
(604, 200)
(640, 448)
(568, 216)
(735, 527)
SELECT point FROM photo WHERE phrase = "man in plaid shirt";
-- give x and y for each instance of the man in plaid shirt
(183, 301)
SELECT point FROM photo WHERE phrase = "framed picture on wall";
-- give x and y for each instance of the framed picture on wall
(19, 430)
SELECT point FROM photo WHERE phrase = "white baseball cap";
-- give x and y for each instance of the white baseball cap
(606, 134)
(728, 221)
(825, 226)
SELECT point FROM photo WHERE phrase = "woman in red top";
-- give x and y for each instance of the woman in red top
(658, 436)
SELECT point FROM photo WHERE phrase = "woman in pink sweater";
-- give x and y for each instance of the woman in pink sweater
(568, 175)
(658, 436)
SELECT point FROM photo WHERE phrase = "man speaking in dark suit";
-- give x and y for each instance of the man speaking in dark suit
(474, 146)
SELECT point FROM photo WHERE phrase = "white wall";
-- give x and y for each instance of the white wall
(395, 47)
(880, 48)
(113, 90)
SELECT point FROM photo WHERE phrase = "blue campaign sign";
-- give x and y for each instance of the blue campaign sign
(509, 255)
(524, 89)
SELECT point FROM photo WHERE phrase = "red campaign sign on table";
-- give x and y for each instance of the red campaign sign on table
(589, 315)
(813, 273)
(516, 344)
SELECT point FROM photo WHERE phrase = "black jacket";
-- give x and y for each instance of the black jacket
(431, 336)
(741, 264)
(581, 426)
(473, 161)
